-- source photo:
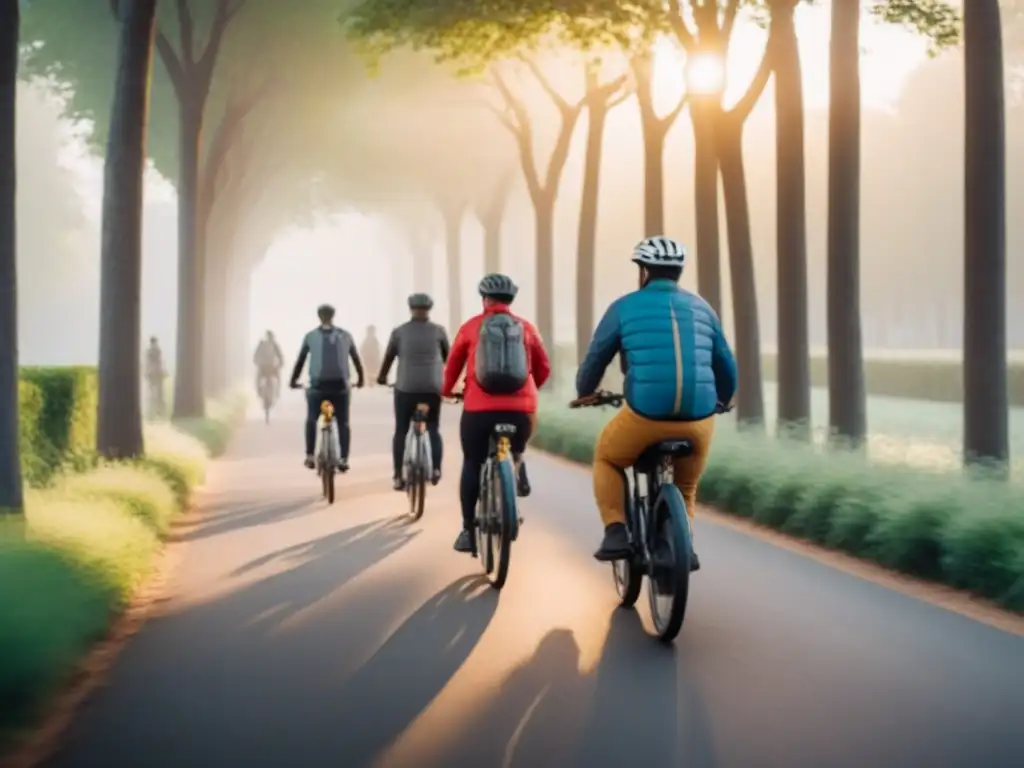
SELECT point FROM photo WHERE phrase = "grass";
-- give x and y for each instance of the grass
(82, 550)
(924, 521)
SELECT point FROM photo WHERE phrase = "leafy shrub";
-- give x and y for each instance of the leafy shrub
(66, 423)
(966, 533)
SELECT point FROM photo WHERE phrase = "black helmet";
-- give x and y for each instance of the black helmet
(420, 301)
(325, 310)
(498, 285)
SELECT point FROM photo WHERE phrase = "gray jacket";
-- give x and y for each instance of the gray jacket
(422, 349)
(329, 351)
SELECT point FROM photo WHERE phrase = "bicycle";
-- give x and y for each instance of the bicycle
(267, 390)
(658, 528)
(327, 451)
(417, 460)
(496, 524)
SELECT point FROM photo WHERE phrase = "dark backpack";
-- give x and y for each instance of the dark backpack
(501, 367)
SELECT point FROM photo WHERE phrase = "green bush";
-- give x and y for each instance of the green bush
(66, 423)
(31, 444)
(940, 526)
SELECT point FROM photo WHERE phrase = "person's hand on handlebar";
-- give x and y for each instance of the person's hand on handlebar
(294, 385)
(598, 398)
(456, 397)
(586, 400)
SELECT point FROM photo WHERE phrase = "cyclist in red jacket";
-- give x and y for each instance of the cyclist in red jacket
(486, 406)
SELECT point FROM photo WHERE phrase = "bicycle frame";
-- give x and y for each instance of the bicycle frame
(641, 510)
(417, 432)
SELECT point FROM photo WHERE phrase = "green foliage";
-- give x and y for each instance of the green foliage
(64, 432)
(938, 526)
(473, 34)
(936, 20)
(32, 444)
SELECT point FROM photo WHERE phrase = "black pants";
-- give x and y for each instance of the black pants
(405, 407)
(475, 431)
(340, 400)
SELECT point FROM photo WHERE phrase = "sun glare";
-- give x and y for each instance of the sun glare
(705, 73)
(890, 55)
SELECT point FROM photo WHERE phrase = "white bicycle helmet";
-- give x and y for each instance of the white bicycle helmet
(659, 251)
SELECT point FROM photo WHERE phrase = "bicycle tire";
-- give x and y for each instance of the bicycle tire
(506, 517)
(628, 575)
(418, 484)
(671, 525)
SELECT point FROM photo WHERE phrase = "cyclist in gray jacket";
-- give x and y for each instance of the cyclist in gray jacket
(422, 349)
(329, 349)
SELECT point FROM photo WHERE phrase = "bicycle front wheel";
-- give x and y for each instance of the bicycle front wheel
(417, 482)
(669, 569)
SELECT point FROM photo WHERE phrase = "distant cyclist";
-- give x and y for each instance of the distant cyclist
(505, 362)
(422, 349)
(678, 368)
(370, 350)
(329, 350)
(269, 361)
(155, 375)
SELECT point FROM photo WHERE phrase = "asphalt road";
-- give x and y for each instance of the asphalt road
(305, 635)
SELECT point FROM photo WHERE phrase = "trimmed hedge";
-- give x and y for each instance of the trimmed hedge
(64, 427)
(939, 526)
(934, 375)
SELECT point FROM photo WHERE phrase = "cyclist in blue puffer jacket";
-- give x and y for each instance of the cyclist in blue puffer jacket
(678, 368)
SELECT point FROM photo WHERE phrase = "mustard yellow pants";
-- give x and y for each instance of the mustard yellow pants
(622, 441)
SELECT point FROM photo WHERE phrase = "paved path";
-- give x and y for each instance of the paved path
(301, 635)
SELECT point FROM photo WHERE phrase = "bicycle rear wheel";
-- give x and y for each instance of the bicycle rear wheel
(504, 517)
(628, 574)
(668, 585)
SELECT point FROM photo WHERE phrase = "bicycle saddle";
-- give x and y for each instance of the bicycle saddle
(653, 454)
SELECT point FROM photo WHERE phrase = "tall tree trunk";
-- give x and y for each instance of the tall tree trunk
(705, 192)
(11, 494)
(793, 362)
(492, 217)
(847, 400)
(188, 373)
(215, 330)
(544, 243)
(453, 258)
(986, 429)
(119, 420)
(750, 395)
(586, 241)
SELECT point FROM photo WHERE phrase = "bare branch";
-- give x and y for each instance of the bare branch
(609, 89)
(504, 119)
(729, 20)
(559, 99)
(671, 117)
(523, 136)
(186, 32)
(741, 109)
(682, 32)
(171, 63)
(226, 10)
(622, 96)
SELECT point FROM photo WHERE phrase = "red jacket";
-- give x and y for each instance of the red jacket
(463, 355)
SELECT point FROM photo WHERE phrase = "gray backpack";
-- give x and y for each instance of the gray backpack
(333, 356)
(501, 367)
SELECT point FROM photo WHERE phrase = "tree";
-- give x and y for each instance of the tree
(986, 429)
(847, 400)
(793, 361)
(490, 211)
(11, 495)
(706, 44)
(655, 130)
(599, 99)
(119, 418)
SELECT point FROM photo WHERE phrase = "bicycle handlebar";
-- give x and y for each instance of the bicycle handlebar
(602, 398)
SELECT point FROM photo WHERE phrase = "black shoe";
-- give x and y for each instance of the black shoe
(435, 478)
(309, 463)
(464, 543)
(522, 482)
(615, 545)
(399, 484)
(694, 562)
(343, 465)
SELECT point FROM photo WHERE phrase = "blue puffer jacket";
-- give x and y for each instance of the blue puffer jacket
(678, 364)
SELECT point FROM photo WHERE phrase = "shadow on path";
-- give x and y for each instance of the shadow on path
(247, 514)
(410, 669)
